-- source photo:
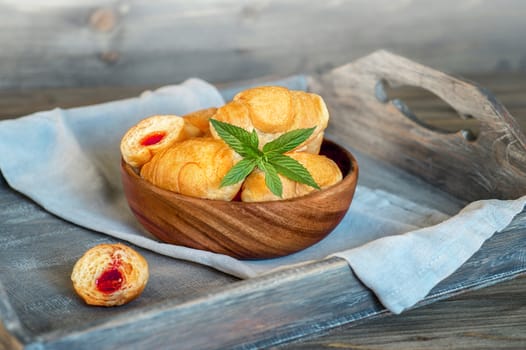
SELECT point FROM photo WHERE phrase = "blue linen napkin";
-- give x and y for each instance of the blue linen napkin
(69, 164)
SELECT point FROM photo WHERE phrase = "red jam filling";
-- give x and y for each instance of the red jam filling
(110, 280)
(153, 138)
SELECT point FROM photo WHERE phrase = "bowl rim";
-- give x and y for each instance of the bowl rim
(349, 179)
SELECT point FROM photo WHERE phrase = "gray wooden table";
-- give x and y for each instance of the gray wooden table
(488, 318)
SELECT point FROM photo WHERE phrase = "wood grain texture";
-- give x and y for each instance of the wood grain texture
(243, 230)
(492, 165)
(132, 42)
(492, 318)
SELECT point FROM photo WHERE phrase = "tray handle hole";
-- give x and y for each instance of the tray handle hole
(427, 110)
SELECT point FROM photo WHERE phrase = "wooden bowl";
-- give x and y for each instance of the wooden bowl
(243, 230)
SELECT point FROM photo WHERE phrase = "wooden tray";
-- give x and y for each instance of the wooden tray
(189, 306)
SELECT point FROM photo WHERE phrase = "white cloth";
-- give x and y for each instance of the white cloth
(68, 162)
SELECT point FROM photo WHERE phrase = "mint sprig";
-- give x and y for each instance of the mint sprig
(271, 159)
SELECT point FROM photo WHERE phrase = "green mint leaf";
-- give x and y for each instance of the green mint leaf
(272, 179)
(240, 140)
(238, 172)
(254, 140)
(288, 141)
(271, 160)
(292, 169)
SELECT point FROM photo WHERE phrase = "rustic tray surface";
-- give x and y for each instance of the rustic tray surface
(38, 302)
(199, 307)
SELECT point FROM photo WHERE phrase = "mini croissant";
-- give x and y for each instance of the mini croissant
(323, 170)
(110, 275)
(194, 167)
(200, 119)
(274, 110)
(150, 135)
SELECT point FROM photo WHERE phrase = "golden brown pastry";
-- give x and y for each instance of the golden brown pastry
(194, 167)
(310, 110)
(153, 134)
(110, 275)
(274, 110)
(323, 170)
(270, 108)
(200, 119)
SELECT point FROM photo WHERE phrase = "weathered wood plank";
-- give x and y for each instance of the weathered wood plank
(14, 103)
(491, 164)
(132, 42)
(488, 319)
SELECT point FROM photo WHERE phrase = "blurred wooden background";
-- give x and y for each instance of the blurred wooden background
(87, 43)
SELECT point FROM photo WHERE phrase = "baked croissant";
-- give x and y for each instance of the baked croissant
(323, 170)
(194, 167)
(142, 141)
(274, 110)
(110, 275)
(200, 119)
